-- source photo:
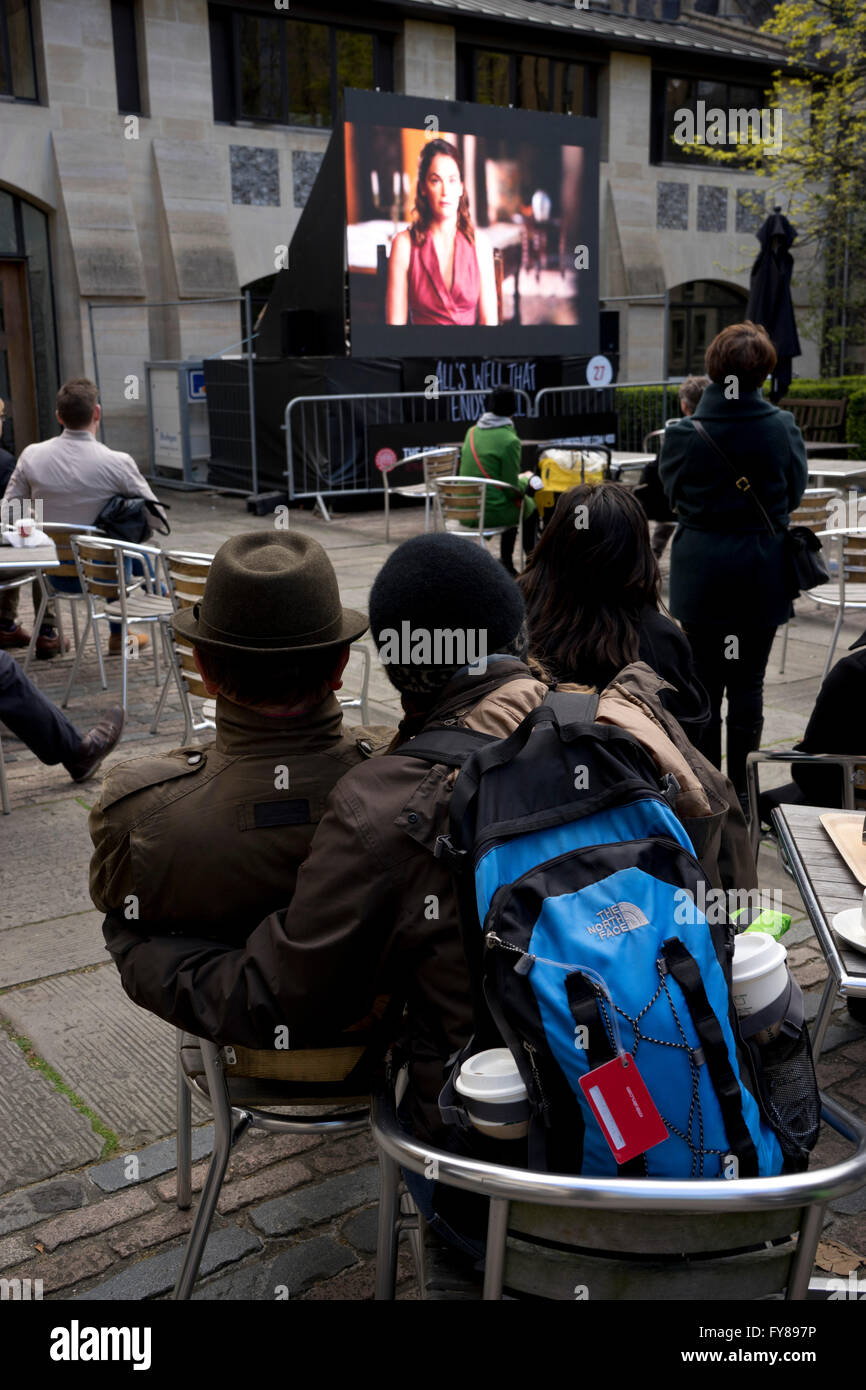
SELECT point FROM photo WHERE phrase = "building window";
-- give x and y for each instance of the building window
(671, 95)
(126, 64)
(697, 311)
(526, 80)
(34, 369)
(17, 65)
(287, 71)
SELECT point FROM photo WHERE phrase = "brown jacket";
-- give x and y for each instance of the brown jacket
(208, 840)
(374, 912)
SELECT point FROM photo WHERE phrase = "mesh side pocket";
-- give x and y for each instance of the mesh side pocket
(786, 1079)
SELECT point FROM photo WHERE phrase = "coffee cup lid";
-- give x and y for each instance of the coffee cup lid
(491, 1075)
(756, 953)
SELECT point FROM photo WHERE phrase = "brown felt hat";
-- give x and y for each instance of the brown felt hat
(270, 592)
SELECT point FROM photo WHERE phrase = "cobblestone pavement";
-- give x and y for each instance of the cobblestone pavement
(87, 1079)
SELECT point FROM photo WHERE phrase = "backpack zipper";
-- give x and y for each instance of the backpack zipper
(530, 1050)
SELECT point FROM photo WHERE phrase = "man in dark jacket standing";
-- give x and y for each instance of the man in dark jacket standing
(728, 582)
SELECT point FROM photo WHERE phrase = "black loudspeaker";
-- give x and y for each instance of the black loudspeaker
(302, 333)
(608, 332)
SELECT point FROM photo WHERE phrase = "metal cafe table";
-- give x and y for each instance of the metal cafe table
(18, 560)
(827, 886)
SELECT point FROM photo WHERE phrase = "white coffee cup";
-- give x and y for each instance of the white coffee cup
(490, 1082)
(760, 976)
(25, 526)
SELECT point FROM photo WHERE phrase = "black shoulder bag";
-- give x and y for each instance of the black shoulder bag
(128, 519)
(804, 563)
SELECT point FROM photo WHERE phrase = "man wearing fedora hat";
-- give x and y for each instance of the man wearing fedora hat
(209, 839)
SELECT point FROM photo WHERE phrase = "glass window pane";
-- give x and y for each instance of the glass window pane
(534, 92)
(567, 80)
(125, 56)
(21, 49)
(354, 60)
(8, 237)
(679, 95)
(36, 248)
(493, 78)
(260, 59)
(308, 54)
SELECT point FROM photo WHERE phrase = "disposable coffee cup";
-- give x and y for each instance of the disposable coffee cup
(494, 1093)
(25, 527)
(760, 978)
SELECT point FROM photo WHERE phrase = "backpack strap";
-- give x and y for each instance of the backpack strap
(682, 966)
(584, 1004)
(450, 746)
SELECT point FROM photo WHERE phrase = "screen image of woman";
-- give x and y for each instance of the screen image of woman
(440, 269)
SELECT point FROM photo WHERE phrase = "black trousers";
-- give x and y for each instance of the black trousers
(731, 661)
(34, 719)
(508, 539)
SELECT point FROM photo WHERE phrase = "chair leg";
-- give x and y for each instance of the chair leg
(97, 642)
(37, 621)
(58, 611)
(184, 1136)
(386, 1240)
(833, 640)
(169, 676)
(124, 657)
(79, 652)
(784, 648)
(74, 611)
(222, 1114)
(156, 655)
(807, 1244)
(825, 1009)
(494, 1261)
(4, 790)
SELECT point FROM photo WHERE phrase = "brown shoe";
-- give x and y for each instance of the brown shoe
(14, 636)
(48, 644)
(115, 642)
(95, 745)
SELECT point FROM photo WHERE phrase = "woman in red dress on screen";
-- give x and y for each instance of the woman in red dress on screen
(441, 270)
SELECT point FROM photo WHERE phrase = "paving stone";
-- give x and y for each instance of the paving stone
(67, 1268)
(117, 1057)
(837, 1035)
(320, 1203)
(33, 836)
(360, 1230)
(159, 1273)
(158, 1228)
(345, 1153)
(151, 1161)
(832, 1070)
(801, 955)
(813, 973)
(289, 1274)
(57, 1196)
(16, 1212)
(100, 1216)
(848, 1230)
(853, 1203)
(14, 1249)
(270, 1182)
(354, 1285)
(255, 1153)
(42, 1133)
(39, 949)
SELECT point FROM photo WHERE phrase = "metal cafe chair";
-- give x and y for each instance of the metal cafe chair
(237, 1083)
(852, 767)
(461, 505)
(814, 512)
(849, 588)
(61, 533)
(434, 463)
(114, 598)
(550, 1234)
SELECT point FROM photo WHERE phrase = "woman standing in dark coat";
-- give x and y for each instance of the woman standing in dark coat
(727, 571)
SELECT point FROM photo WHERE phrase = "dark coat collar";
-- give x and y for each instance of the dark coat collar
(714, 405)
(241, 730)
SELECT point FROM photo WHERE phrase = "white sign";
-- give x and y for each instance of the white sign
(599, 371)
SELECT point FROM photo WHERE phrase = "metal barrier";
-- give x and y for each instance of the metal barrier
(639, 406)
(328, 448)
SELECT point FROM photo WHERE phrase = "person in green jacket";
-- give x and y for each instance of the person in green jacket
(491, 449)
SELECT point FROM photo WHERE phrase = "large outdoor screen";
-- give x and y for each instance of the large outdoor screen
(469, 229)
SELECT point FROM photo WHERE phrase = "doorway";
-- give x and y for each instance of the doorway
(697, 312)
(17, 376)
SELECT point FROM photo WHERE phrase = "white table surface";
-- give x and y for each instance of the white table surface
(836, 468)
(20, 560)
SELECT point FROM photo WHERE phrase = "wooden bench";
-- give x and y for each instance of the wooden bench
(820, 422)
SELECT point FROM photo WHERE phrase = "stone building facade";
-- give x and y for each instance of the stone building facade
(155, 156)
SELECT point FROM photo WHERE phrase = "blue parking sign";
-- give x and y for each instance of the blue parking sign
(195, 388)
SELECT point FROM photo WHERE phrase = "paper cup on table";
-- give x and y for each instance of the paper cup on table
(494, 1094)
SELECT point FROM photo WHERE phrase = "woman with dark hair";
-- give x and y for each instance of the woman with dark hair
(591, 588)
(441, 269)
(736, 455)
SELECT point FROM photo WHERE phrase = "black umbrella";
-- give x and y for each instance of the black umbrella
(770, 296)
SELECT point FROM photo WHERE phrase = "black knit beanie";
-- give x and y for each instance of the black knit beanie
(441, 602)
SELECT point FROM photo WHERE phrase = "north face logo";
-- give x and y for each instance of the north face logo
(618, 918)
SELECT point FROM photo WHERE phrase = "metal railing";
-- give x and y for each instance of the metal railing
(639, 406)
(328, 445)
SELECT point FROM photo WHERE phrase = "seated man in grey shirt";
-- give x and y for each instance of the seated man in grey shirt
(73, 475)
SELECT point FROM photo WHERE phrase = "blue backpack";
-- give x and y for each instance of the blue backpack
(576, 883)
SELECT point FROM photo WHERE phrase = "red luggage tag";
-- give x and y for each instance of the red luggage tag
(624, 1108)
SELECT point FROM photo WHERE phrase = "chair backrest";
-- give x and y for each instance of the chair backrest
(819, 421)
(815, 507)
(444, 467)
(464, 499)
(186, 575)
(61, 532)
(99, 567)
